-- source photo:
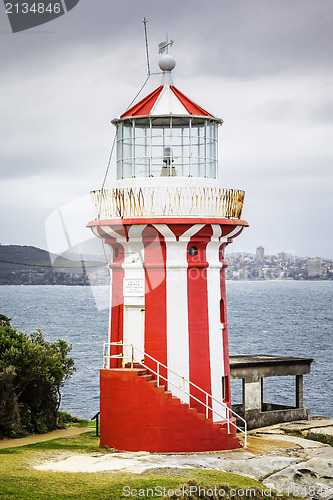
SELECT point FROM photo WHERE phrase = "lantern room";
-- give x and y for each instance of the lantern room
(166, 135)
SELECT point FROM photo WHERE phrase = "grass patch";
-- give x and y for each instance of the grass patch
(216, 485)
(19, 480)
(293, 432)
(323, 438)
(86, 442)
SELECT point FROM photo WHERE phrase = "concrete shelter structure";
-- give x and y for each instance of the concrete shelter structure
(252, 369)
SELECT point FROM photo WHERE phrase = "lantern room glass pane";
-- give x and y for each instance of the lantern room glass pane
(141, 131)
(183, 169)
(142, 167)
(140, 150)
(157, 132)
(155, 168)
(119, 170)
(127, 149)
(211, 168)
(127, 131)
(157, 152)
(120, 131)
(127, 169)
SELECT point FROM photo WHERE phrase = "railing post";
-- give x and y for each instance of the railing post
(96, 417)
(158, 374)
(132, 360)
(228, 419)
(206, 405)
(184, 392)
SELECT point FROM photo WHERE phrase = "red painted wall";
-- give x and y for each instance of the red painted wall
(198, 326)
(155, 297)
(117, 301)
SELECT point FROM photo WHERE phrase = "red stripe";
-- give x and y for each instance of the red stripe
(155, 297)
(144, 107)
(189, 105)
(198, 325)
(117, 302)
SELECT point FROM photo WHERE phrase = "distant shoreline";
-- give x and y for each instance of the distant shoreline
(108, 283)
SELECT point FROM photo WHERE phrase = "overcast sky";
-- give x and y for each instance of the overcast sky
(264, 66)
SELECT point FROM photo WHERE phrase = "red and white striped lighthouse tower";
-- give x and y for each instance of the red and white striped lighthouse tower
(165, 386)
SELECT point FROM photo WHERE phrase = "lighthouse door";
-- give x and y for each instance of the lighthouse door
(134, 327)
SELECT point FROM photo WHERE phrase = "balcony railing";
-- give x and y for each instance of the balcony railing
(168, 202)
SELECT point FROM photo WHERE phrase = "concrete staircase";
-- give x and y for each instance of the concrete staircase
(137, 415)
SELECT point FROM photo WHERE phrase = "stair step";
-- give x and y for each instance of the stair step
(217, 425)
(201, 416)
(160, 388)
(152, 382)
(135, 365)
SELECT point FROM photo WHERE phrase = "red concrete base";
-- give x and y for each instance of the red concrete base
(136, 415)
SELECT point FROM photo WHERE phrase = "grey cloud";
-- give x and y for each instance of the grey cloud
(323, 112)
(277, 109)
(62, 83)
(232, 38)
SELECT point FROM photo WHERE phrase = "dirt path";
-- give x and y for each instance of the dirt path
(38, 438)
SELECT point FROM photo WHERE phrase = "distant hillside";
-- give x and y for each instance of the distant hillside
(21, 265)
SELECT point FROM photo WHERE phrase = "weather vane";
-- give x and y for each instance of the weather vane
(164, 46)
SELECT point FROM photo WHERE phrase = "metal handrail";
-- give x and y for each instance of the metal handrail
(184, 381)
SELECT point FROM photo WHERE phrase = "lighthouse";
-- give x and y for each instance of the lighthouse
(165, 384)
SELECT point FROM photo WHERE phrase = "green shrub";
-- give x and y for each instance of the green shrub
(66, 420)
(32, 372)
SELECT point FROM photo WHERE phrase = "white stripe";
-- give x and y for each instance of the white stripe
(177, 316)
(95, 231)
(113, 234)
(168, 104)
(133, 270)
(215, 331)
(224, 239)
(191, 232)
(134, 254)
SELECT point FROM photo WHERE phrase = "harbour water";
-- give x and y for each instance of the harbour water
(292, 318)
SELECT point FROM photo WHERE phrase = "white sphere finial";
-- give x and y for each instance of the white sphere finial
(167, 62)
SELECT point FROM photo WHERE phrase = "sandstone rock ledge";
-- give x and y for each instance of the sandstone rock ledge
(287, 463)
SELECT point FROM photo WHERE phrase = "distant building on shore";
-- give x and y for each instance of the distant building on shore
(314, 267)
(260, 253)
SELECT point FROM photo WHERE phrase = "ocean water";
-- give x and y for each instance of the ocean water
(288, 318)
(292, 318)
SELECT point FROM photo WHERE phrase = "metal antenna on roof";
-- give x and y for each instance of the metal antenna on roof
(148, 64)
(147, 51)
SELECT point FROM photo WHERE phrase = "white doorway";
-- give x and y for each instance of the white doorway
(134, 331)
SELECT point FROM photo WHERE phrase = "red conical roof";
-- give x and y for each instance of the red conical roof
(166, 100)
